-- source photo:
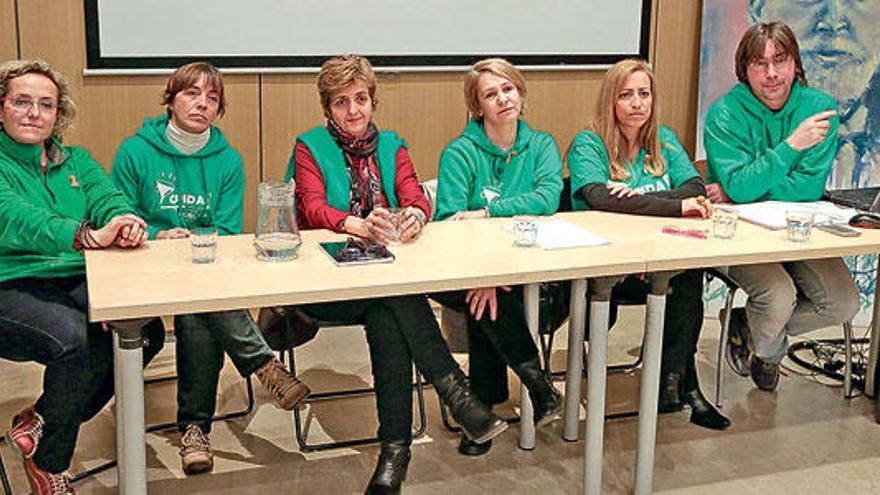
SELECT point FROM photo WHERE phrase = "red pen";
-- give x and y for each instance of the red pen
(693, 233)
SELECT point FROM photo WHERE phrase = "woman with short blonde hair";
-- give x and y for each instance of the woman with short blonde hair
(499, 167)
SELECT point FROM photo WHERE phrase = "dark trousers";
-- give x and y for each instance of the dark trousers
(202, 339)
(46, 320)
(493, 345)
(683, 316)
(400, 331)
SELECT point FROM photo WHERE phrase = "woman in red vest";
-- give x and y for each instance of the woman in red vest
(348, 174)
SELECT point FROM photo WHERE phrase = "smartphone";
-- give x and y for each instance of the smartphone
(838, 229)
(343, 255)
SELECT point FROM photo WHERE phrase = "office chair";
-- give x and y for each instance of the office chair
(294, 317)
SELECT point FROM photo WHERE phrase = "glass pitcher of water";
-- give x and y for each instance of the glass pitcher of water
(277, 236)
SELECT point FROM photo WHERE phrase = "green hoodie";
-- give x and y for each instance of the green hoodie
(157, 178)
(526, 179)
(746, 148)
(39, 214)
(588, 163)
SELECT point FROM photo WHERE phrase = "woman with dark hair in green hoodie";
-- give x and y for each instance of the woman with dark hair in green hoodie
(181, 159)
(499, 167)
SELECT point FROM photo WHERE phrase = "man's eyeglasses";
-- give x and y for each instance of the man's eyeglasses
(778, 60)
(358, 250)
(25, 104)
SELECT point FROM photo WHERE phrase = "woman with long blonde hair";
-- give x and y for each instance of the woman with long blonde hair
(628, 163)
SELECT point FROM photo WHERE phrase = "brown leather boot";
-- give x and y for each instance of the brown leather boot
(196, 455)
(286, 390)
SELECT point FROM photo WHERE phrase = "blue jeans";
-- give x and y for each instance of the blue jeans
(46, 320)
(788, 299)
(202, 339)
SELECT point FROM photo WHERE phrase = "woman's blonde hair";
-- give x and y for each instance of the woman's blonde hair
(497, 66)
(339, 72)
(66, 108)
(606, 127)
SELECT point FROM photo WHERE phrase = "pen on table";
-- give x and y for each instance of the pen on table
(693, 233)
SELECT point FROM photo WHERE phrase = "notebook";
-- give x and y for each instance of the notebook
(865, 198)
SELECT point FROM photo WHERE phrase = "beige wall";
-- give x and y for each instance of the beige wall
(8, 33)
(266, 112)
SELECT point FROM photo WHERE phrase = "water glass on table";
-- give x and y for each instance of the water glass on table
(525, 231)
(395, 217)
(199, 220)
(724, 223)
(798, 225)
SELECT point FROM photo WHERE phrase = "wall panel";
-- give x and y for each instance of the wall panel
(8, 33)
(677, 65)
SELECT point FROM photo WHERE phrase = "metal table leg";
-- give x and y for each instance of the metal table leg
(527, 419)
(650, 381)
(129, 384)
(600, 306)
(575, 359)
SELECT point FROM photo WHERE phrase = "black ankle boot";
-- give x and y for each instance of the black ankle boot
(469, 447)
(477, 421)
(546, 400)
(670, 399)
(703, 412)
(390, 469)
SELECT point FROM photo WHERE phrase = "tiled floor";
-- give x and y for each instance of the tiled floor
(803, 439)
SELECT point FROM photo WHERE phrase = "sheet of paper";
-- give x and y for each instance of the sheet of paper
(560, 234)
(771, 214)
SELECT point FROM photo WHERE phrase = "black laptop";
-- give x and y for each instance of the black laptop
(864, 199)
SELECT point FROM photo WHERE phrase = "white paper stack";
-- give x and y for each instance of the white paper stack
(560, 234)
(771, 214)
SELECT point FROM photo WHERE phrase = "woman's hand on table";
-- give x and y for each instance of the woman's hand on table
(696, 207)
(479, 299)
(175, 233)
(411, 222)
(125, 231)
(469, 215)
(377, 226)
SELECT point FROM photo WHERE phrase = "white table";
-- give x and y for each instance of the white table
(160, 280)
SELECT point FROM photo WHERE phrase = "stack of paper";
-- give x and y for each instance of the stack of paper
(559, 234)
(771, 214)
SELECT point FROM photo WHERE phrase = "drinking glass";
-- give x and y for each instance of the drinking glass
(724, 223)
(798, 225)
(199, 220)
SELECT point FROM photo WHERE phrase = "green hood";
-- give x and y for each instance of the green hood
(475, 133)
(153, 132)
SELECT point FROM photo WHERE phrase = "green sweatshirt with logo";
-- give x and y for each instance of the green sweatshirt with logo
(39, 213)
(747, 153)
(588, 163)
(474, 173)
(157, 178)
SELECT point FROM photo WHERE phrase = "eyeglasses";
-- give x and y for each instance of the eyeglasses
(358, 250)
(778, 60)
(25, 104)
